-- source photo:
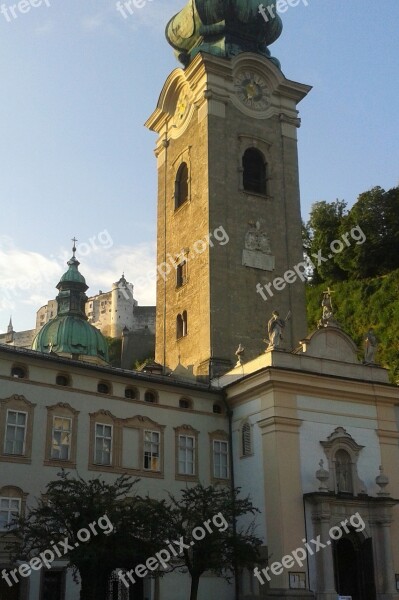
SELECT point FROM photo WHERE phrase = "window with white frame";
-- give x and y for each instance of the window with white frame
(10, 509)
(152, 445)
(186, 455)
(220, 459)
(103, 444)
(15, 437)
(61, 438)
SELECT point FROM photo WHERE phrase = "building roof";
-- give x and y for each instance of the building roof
(103, 370)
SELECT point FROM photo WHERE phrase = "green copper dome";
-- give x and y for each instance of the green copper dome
(72, 336)
(73, 274)
(69, 333)
(224, 28)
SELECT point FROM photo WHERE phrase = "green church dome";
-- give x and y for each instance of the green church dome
(73, 336)
(69, 333)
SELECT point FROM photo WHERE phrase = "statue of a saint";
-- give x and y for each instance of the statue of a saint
(275, 328)
(327, 317)
(370, 346)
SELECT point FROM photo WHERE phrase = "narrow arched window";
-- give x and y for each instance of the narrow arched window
(246, 446)
(181, 274)
(254, 171)
(181, 185)
(343, 472)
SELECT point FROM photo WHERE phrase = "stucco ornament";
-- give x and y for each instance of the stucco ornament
(222, 28)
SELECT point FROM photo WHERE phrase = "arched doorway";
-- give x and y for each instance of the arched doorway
(354, 567)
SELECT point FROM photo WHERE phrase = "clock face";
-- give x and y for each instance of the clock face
(251, 90)
(182, 108)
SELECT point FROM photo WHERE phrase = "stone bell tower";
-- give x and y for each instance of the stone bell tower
(229, 216)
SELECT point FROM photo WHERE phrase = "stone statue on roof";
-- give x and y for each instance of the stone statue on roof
(224, 28)
(275, 328)
(327, 318)
(370, 346)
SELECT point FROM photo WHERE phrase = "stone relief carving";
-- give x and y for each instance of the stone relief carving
(257, 251)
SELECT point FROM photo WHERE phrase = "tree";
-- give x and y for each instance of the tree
(323, 228)
(205, 517)
(376, 212)
(71, 505)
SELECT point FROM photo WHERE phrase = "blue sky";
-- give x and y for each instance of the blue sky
(77, 84)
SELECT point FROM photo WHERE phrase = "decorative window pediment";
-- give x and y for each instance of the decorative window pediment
(140, 422)
(342, 452)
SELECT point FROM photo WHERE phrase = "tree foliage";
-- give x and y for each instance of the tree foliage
(136, 529)
(224, 548)
(376, 213)
(70, 505)
(322, 228)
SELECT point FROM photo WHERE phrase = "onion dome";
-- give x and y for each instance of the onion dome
(224, 28)
(69, 333)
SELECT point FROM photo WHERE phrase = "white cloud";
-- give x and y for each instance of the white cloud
(44, 28)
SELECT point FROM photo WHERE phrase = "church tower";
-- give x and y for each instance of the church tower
(229, 223)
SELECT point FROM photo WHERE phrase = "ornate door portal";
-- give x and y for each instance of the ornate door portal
(354, 567)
